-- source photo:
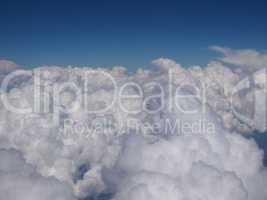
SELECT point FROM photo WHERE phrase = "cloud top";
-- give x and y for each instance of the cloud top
(147, 145)
(245, 58)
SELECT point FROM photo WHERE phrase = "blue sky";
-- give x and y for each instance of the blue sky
(129, 33)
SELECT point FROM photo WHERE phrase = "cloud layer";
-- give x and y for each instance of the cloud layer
(55, 149)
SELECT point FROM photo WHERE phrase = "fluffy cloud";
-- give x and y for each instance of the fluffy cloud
(165, 64)
(246, 58)
(20, 181)
(7, 66)
(204, 182)
(195, 151)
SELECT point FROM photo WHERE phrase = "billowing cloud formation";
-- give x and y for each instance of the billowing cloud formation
(7, 66)
(169, 133)
(247, 58)
(19, 181)
(165, 64)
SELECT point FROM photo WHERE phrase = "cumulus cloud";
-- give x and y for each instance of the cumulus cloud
(7, 66)
(169, 132)
(166, 64)
(204, 183)
(248, 59)
(20, 181)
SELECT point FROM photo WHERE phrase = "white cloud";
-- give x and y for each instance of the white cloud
(245, 58)
(171, 165)
(165, 64)
(19, 181)
(7, 66)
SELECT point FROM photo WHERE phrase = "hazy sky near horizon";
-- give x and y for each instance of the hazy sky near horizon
(128, 33)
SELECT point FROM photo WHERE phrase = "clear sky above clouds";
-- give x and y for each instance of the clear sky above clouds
(129, 33)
